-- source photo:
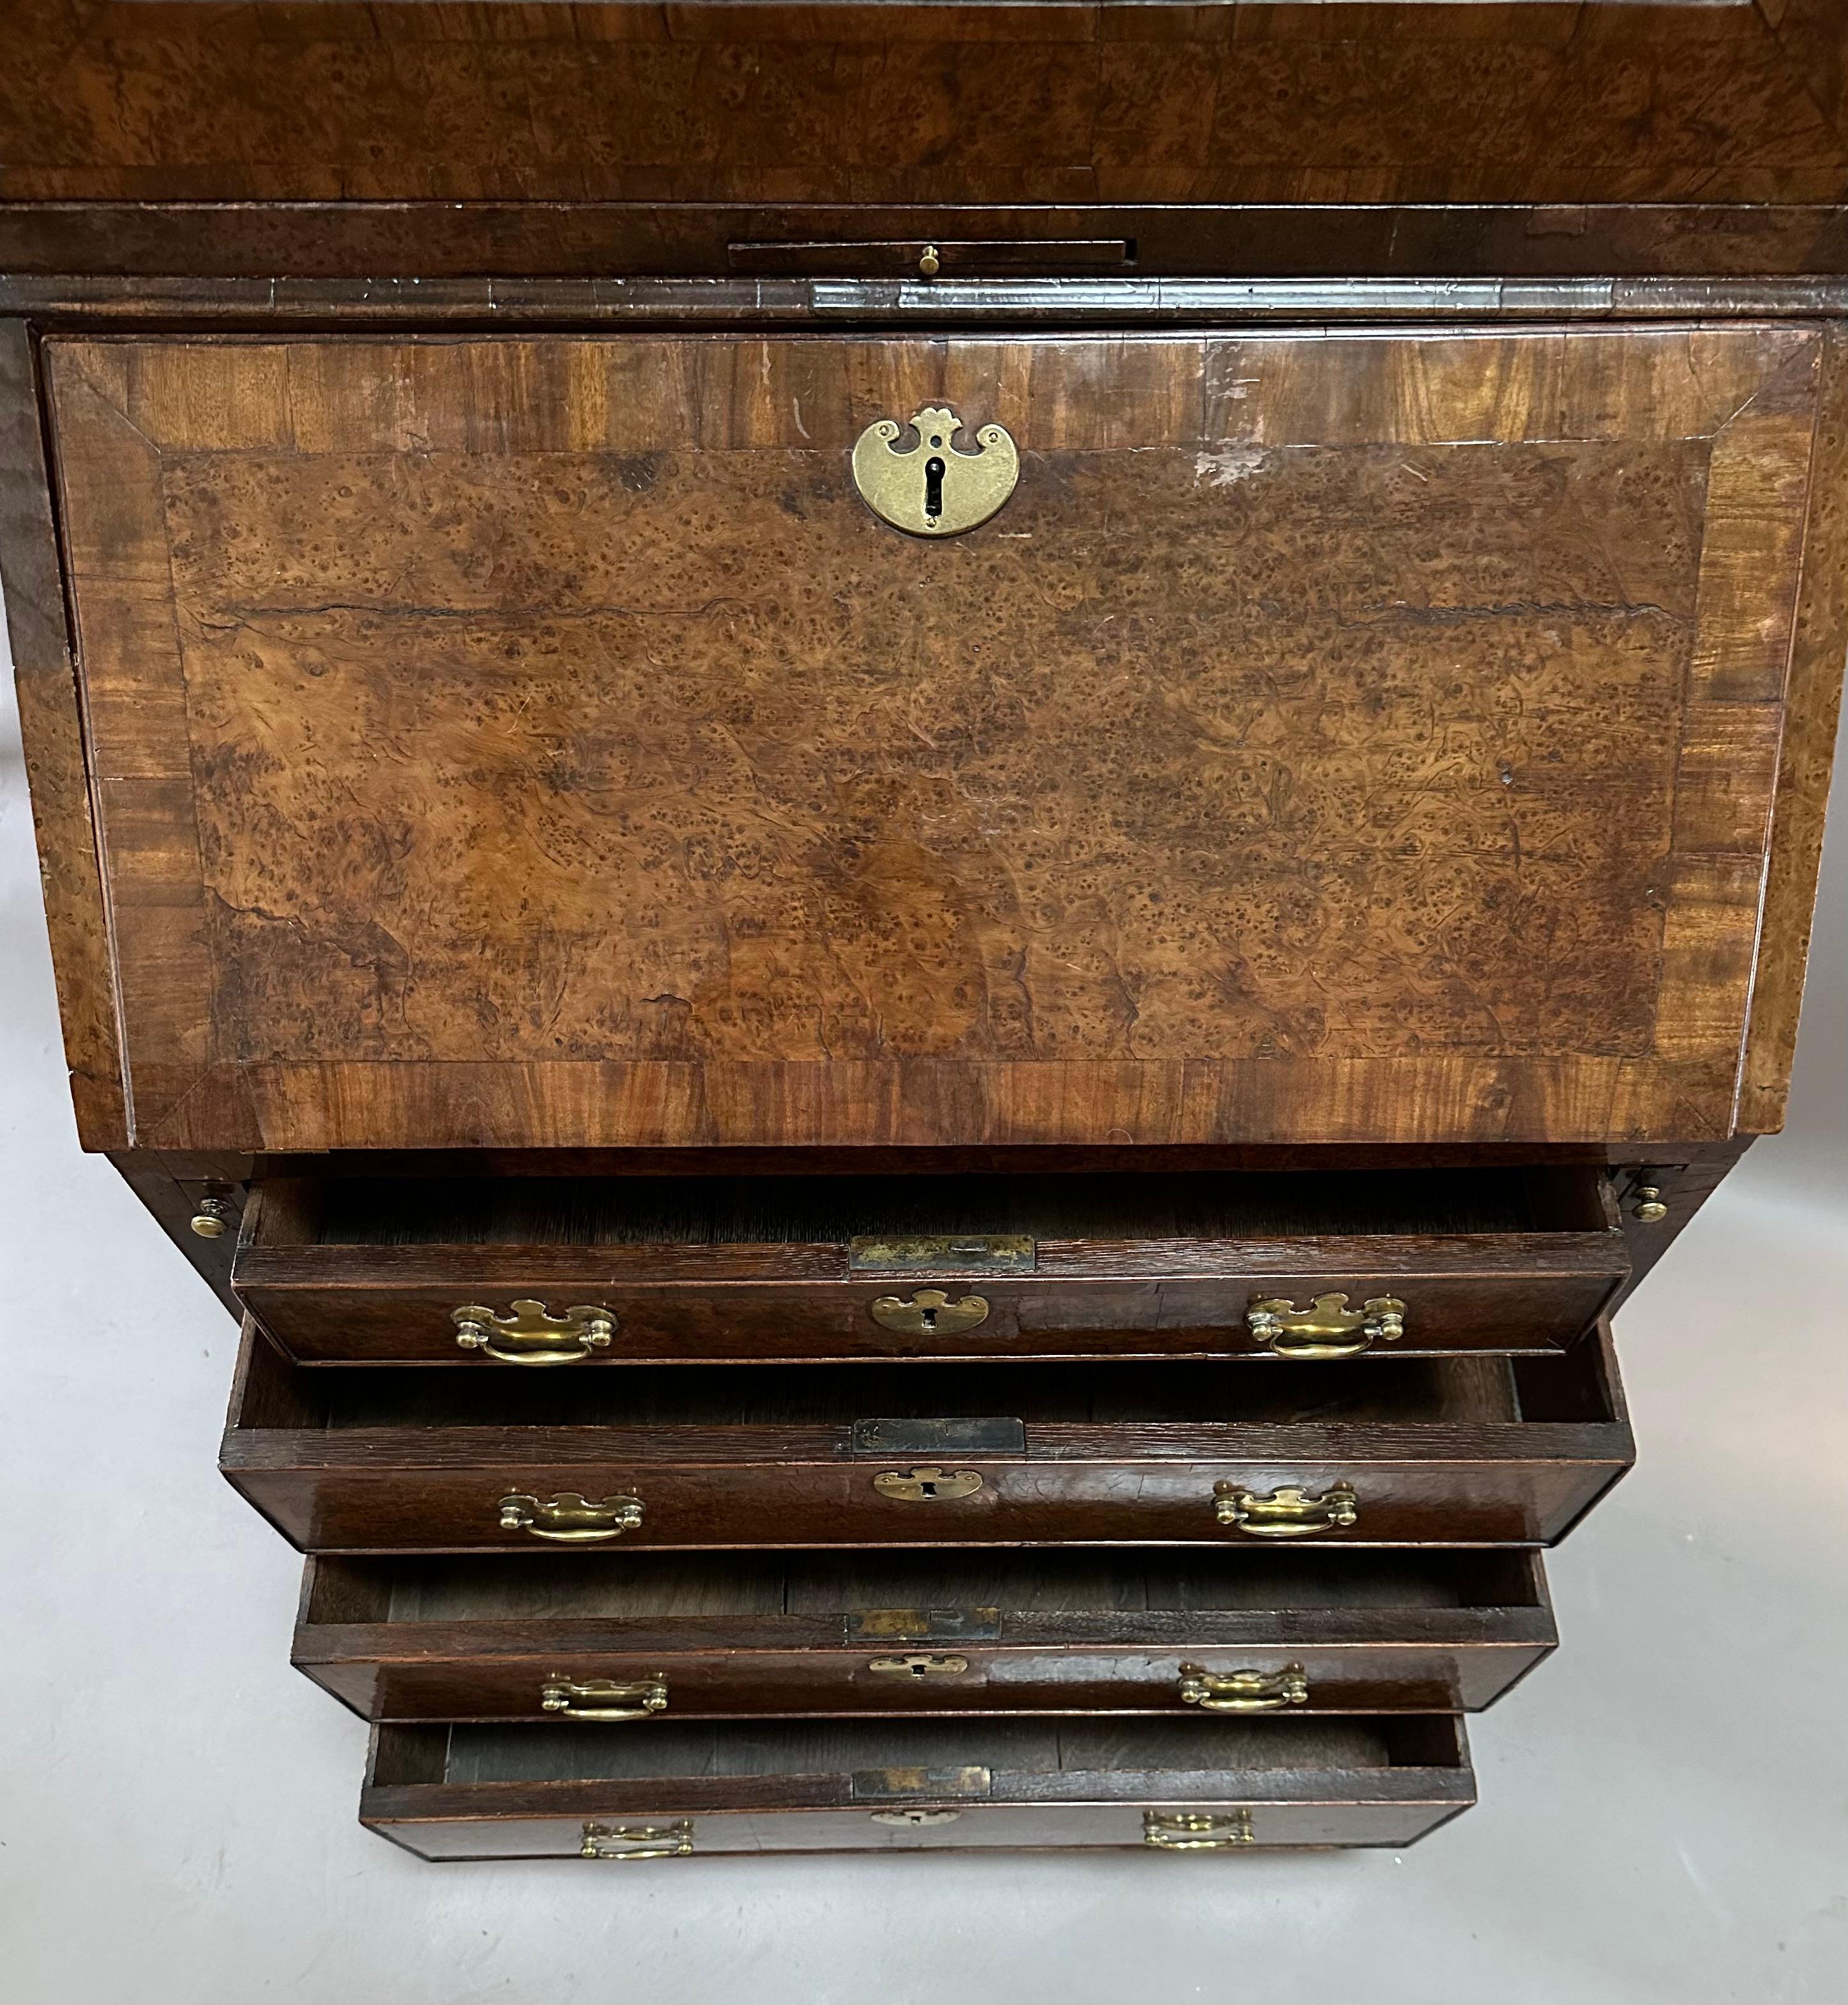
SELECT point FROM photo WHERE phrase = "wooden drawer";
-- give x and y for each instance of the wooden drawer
(695, 1636)
(385, 1270)
(1337, 737)
(877, 1785)
(1461, 1451)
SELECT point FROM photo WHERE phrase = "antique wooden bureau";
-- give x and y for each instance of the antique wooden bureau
(925, 839)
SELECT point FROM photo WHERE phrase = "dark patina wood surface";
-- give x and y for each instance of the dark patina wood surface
(1556, 136)
(1461, 1451)
(721, 1269)
(1333, 740)
(1043, 1631)
(473, 1791)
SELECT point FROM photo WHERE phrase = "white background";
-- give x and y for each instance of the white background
(1664, 1810)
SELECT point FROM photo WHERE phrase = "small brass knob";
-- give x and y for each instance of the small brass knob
(214, 1218)
(929, 264)
(1649, 1206)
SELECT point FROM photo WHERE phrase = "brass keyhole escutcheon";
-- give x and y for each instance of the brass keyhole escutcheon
(932, 489)
(927, 1484)
(1328, 1328)
(919, 1664)
(930, 1312)
(915, 1820)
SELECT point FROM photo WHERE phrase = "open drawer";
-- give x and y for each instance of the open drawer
(1459, 1451)
(877, 1785)
(649, 1636)
(643, 1270)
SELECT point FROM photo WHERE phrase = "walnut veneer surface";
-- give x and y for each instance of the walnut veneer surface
(538, 742)
(500, 788)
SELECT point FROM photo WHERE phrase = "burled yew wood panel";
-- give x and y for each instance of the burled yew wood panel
(537, 742)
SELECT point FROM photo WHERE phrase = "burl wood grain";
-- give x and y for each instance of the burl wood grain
(538, 742)
(1555, 102)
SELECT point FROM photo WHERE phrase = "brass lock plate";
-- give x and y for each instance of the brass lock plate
(927, 1484)
(925, 1625)
(926, 1782)
(931, 1440)
(918, 1665)
(931, 488)
(941, 1253)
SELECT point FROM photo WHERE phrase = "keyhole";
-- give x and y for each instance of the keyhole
(930, 1314)
(926, 1489)
(933, 485)
(919, 1669)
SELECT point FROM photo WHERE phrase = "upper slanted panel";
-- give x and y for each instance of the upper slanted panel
(538, 742)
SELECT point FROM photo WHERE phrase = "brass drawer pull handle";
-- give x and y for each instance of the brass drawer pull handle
(930, 1312)
(1243, 1691)
(931, 488)
(637, 1841)
(1193, 1830)
(569, 1518)
(927, 1485)
(531, 1335)
(1328, 1328)
(1287, 1513)
(920, 1664)
(603, 1699)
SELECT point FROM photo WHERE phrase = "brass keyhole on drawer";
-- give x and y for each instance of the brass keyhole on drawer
(930, 1312)
(1288, 1512)
(927, 1485)
(1328, 1328)
(915, 1820)
(920, 1664)
(1195, 1831)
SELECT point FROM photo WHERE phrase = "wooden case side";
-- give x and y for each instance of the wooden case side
(51, 731)
(1812, 706)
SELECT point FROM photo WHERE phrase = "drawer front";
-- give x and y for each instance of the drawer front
(376, 1675)
(1517, 1494)
(1507, 1260)
(1503, 1308)
(1329, 738)
(632, 1837)
(483, 1791)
